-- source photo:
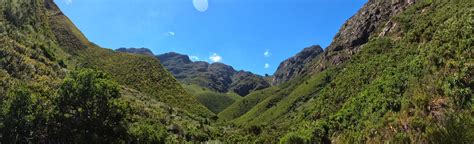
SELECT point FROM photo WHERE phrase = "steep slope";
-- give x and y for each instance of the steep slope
(28, 53)
(143, 73)
(354, 33)
(39, 46)
(68, 36)
(410, 81)
(152, 78)
(312, 61)
(293, 66)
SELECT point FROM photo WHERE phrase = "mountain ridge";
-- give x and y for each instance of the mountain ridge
(355, 32)
(398, 71)
(215, 76)
(375, 82)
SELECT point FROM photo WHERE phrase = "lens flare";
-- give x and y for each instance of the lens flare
(201, 5)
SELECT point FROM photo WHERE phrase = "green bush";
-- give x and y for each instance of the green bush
(23, 116)
(86, 108)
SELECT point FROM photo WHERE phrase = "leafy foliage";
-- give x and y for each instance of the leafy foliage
(86, 109)
(24, 116)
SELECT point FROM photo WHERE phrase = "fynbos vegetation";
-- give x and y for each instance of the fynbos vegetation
(397, 72)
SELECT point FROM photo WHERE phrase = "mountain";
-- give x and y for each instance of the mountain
(44, 58)
(143, 51)
(366, 23)
(218, 77)
(215, 85)
(397, 71)
(313, 61)
(294, 66)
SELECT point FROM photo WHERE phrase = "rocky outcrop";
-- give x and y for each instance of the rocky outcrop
(359, 29)
(219, 77)
(294, 65)
(143, 51)
(246, 82)
(354, 33)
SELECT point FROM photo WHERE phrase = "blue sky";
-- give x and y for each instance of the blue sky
(252, 35)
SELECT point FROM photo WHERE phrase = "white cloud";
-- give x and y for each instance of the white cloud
(266, 66)
(68, 2)
(194, 58)
(171, 33)
(215, 58)
(267, 53)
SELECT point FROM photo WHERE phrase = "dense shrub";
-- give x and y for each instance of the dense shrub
(86, 108)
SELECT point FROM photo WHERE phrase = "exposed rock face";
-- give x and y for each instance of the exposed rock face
(354, 33)
(220, 76)
(216, 76)
(143, 51)
(359, 29)
(294, 65)
(246, 82)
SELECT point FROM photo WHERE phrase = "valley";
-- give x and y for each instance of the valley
(397, 71)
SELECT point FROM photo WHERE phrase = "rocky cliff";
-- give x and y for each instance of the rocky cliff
(294, 65)
(354, 33)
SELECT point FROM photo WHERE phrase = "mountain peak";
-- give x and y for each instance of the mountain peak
(294, 66)
(175, 57)
(143, 51)
(215, 76)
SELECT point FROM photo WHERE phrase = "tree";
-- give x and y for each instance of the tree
(86, 108)
(23, 117)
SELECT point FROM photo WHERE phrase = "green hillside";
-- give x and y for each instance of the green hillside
(412, 85)
(143, 73)
(214, 101)
(43, 56)
(408, 78)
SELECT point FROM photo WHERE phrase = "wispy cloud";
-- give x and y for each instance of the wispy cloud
(267, 53)
(194, 58)
(215, 58)
(68, 2)
(266, 66)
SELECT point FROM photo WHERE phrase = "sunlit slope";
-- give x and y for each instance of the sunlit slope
(214, 101)
(39, 46)
(411, 84)
(143, 73)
